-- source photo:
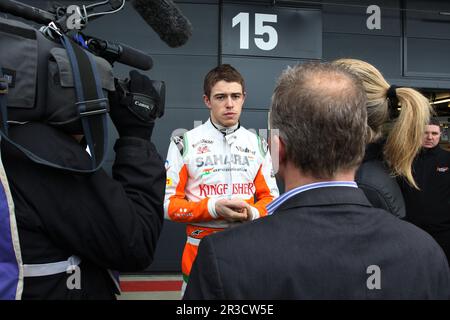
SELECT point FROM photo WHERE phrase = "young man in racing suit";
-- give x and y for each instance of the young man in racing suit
(219, 174)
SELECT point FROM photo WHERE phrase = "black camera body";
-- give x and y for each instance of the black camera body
(66, 86)
(24, 60)
(40, 79)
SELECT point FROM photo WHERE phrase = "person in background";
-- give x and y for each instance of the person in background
(429, 206)
(218, 174)
(322, 239)
(388, 155)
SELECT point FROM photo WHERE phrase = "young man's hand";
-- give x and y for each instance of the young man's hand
(232, 210)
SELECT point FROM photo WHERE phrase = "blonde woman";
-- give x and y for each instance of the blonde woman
(406, 112)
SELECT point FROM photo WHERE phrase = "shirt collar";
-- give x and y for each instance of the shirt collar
(273, 206)
(225, 130)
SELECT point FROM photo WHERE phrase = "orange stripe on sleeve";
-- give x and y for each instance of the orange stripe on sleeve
(182, 210)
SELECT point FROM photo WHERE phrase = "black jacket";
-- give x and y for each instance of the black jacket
(378, 185)
(429, 207)
(108, 223)
(321, 244)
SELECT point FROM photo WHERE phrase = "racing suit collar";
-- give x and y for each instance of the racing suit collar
(225, 130)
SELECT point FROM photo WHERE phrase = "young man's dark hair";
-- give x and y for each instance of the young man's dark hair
(223, 72)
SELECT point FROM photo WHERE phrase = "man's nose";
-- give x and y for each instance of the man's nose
(230, 102)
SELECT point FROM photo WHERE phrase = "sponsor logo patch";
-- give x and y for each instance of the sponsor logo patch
(207, 172)
(216, 160)
(223, 188)
(196, 233)
(183, 213)
(442, 169)
(245, 150)
(203, 149)
(202, 141)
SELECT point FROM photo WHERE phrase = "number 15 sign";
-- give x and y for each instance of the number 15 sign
(272, 31)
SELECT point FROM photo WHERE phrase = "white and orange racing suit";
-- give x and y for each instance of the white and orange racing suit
(205, 165)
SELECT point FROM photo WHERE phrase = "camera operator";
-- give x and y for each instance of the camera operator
(74, 227)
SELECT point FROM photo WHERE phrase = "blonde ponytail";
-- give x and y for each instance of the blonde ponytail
(405, 138)
(406, 135)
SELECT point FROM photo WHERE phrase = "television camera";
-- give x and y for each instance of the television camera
(62, 76)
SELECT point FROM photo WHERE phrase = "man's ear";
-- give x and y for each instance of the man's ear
(207, 101)
(277, 151)
(278, 146)
(283, 152)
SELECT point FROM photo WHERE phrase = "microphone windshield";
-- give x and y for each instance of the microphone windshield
(166, 19)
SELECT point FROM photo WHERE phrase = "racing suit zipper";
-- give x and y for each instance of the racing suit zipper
(229, 175)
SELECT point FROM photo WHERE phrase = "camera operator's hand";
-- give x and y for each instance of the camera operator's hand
(133, 109)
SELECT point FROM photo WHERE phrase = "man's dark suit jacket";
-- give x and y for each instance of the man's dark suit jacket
(321, 244)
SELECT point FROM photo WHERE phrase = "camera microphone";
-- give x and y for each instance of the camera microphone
(121, 53)
(25, 11)
(166, 19)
